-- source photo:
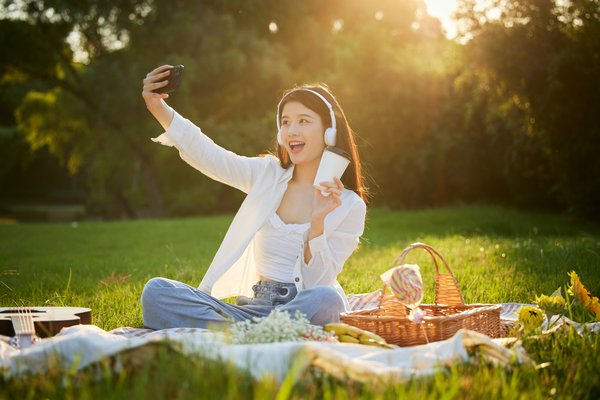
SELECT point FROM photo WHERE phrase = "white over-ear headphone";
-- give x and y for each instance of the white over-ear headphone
(330, 133)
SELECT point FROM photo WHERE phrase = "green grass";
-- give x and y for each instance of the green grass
(497, 255)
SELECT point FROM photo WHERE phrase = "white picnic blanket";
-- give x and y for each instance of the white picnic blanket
(80, 346)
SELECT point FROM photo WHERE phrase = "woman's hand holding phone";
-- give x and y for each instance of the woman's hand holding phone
(156, 79)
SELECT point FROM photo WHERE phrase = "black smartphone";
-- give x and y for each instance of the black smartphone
(174, 78)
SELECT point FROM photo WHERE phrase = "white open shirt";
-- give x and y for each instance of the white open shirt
(232, 271)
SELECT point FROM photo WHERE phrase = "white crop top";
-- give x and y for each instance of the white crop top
(278, 245)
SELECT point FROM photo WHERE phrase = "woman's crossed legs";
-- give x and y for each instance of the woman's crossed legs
(171, 304)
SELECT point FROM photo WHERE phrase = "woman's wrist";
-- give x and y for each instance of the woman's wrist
(162, 112)
(316, 228)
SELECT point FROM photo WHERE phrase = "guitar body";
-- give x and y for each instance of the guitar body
(48, 321)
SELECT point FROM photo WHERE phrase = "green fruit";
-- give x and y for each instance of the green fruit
(371, 342)
(342, 329)
(347, 338)
(360, 334)
(372, 336)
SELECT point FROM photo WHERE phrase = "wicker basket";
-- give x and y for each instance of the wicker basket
(442, 319)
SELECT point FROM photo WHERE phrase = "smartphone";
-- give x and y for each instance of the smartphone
(174, 78)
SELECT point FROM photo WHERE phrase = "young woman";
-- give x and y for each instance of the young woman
(288, 241)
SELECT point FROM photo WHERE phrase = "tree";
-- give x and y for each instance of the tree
(488, 119)
(547, 57)
(94, 113)
(45, 55)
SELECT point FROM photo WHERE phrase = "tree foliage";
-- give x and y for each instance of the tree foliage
(507, 115)
(547, 57)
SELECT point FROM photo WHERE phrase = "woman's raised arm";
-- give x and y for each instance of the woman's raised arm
(195, 147)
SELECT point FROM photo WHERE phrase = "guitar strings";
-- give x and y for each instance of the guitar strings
(30, 321)
(24, 320)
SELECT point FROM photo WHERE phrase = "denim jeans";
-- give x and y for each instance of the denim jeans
(171, 304)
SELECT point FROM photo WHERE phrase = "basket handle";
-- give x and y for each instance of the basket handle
(446, 287)
(433, 252)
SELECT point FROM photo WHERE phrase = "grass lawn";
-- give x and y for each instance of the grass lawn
(496, 254)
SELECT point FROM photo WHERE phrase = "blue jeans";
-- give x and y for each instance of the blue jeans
(171, 304)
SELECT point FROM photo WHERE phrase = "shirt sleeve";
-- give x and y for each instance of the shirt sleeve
(199, 151)
(331, 249)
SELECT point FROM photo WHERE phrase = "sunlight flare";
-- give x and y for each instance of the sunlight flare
(443, 9)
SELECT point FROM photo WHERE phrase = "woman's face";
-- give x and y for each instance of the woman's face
(302, 133)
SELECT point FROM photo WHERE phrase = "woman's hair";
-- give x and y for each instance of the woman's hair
(352, 177)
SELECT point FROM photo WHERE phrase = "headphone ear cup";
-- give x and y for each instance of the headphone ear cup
(330, 136)
(279, 139)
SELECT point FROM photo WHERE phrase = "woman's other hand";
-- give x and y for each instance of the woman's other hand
(321, 206)
(155, 79)
(324, 204)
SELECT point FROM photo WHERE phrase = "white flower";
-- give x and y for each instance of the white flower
(278, 326)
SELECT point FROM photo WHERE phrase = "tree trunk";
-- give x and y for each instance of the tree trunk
(154, 194)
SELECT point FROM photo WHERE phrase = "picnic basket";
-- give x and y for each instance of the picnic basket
(441, 320)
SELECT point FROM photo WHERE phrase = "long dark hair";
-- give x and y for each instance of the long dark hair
(352, 177)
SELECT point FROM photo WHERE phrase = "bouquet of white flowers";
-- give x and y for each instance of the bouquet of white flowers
(278, 326)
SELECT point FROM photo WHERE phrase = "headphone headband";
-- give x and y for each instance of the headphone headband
(319, 95)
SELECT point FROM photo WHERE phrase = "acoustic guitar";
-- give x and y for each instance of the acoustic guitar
(48, 321)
